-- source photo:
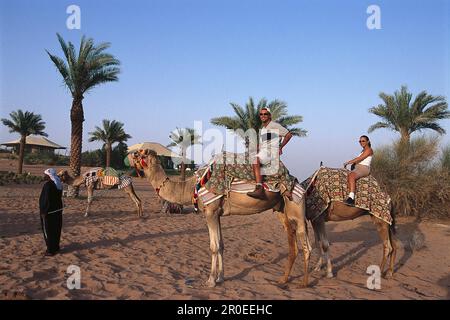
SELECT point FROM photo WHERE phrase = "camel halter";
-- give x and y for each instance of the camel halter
(144, 165)
(142, 162)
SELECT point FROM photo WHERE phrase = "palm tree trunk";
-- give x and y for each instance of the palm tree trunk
(183, 165)
(405, 137)
(76, 118)
(23, 139)
(404, 148)
(247, 150)
(108, 154)
(183, 171)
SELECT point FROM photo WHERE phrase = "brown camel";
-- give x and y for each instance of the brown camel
(290, 214)
(80, 180)
(338, 211)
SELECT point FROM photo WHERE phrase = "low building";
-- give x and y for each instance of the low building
(167, 155)
(34, 144)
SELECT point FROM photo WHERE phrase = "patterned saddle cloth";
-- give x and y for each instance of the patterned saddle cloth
(230, 172)
(331, 185)
(104, 178)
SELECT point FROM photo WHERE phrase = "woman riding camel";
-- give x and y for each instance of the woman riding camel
(360, 168)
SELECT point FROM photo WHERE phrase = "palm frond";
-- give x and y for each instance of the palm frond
(249, 118)
(25, 123)
(380, 125)
(88, 68)
(401, 114)
(430, 125)
(111, 132)
(289, 120)
(298, 132)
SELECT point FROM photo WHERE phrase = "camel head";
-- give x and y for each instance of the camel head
(145, 159)
(64, 176)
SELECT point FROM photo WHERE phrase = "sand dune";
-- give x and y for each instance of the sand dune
(167, 256)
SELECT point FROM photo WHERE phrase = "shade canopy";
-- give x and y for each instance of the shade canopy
(155, 146)
(35, 141)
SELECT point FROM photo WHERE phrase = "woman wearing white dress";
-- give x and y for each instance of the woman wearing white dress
(360, 167)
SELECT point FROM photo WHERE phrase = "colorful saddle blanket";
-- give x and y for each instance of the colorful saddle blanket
(241, 186)
(331, 185)
(230, 172)
(227, 167)
(104, 178)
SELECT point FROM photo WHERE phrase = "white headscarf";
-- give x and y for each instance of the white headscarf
(52, 174)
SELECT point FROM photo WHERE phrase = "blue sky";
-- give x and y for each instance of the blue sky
(185, 61)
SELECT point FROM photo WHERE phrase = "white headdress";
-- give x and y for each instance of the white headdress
(52, 174)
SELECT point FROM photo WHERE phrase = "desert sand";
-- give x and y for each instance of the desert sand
(166, 256)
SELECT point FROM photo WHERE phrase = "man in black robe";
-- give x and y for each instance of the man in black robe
(51, 207)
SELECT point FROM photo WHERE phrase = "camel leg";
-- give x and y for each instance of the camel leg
(320, 231)
(318, 239)
(388, 249)
(212, 219)
(297, 214)
(132, 194)
(293, 248)
(393, 253)
(90, 196)
(220, 277)
(306, 247)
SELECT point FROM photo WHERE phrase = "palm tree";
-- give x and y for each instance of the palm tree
(399, 114)
(25, 124)
(248, 118)
(111, 133)
(183, 138)
(81, 73)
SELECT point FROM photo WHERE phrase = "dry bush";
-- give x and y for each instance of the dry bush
(445, 158)
(418, 183)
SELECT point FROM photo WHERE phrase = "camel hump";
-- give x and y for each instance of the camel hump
(93, 172)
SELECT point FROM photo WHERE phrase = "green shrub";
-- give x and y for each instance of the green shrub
(7, 178)
(50, 159)
(92, 159)
(97, 158)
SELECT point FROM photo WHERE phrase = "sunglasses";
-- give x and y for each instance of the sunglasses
(362, 141)
(264, 114)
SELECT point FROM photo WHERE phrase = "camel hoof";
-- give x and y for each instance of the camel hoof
(388, 275)
(210, 283)
(220, 280)
(330, 275)
(303, 285)
(86, 214)
(283, 280)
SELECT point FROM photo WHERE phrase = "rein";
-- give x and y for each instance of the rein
(161, 186)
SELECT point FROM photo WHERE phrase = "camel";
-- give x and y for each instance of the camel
(338, 211)
(290, 214)
(80, 180)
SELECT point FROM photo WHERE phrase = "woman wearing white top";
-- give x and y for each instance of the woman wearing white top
(360, 169)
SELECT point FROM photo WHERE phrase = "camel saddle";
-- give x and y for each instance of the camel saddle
(235, 174)
(109, 177)
(329, 184)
